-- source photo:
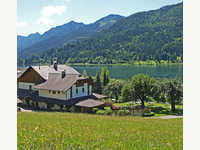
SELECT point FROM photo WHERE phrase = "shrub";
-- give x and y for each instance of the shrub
(100, 112)
(95, 110)
(108, 112)
(148, 114)
(146, 110)
(123, 112)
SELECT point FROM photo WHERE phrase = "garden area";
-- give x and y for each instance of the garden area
(141, 95)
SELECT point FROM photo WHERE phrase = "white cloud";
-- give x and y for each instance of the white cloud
(21, 24)
(49, 11)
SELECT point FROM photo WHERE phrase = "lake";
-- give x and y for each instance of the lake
(125, 72)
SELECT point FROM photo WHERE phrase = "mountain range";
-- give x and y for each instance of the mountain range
(151, 35)
(59, 35)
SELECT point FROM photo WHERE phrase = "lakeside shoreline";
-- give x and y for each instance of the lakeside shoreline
(120, 64)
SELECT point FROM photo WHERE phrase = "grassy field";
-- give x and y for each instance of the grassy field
(67, 131)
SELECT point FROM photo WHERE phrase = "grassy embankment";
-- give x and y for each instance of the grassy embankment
(65, 131)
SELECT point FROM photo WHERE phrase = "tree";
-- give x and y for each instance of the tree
(126, 93)
(160, 90)
(113, 89)
(142, 87)
(97, 84)
(104, 76)
(107, 77)
(175, 93)
(90, 79)
(85, 73)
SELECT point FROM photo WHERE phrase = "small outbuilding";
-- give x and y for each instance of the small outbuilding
(88, 105)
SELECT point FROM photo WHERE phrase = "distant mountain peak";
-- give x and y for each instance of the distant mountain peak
(34, 34)
(68, 32)
(109, 17)
(73, 22)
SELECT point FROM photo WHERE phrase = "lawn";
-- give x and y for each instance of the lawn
(159, 109)
(68, 131)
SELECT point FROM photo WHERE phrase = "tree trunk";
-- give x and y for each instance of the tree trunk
(116, 96)
(173, 108)
(142, 103)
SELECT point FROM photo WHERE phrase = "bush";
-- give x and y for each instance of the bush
(147, 110)
(123, 112)
(148, 114)
(94, 110)
(138, 112)
(100, 112)
(108, 112)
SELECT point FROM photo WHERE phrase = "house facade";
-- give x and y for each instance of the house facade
(56, 84)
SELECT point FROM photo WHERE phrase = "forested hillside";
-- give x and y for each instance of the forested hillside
(146, 36)
(57, 36)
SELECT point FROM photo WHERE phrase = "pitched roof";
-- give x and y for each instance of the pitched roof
(55, 82)
(99, 96)
(89, 103)
(44, 71)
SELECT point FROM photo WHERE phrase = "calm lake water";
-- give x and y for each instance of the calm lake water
(126, 72)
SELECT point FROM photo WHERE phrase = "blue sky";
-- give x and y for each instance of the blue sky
(41, 15)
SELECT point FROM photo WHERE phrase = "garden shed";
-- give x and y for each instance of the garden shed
(88, 105)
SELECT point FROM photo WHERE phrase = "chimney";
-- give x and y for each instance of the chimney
(63, 74)
(55, 65)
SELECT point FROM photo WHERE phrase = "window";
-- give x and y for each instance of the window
(49, 91)
(76, 90)
(30, 87)
(83, 90)
(54, 92)
(58, 92)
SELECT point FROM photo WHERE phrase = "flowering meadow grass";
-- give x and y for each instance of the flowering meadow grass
(67, 131)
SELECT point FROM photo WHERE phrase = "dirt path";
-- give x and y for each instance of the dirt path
(169, 117)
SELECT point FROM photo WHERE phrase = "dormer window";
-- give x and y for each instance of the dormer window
(63, 74)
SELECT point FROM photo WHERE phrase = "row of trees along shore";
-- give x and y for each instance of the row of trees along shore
(140, 87)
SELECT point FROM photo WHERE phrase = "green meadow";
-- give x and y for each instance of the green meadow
(67, 131)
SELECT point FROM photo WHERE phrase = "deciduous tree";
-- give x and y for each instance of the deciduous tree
(141, 87)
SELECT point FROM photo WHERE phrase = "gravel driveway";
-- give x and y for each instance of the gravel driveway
(169, 117)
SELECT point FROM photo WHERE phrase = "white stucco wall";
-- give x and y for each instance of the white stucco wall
(25, 86)
(86, 89)
(68, 94)
(80, 91)
(74, 91)
(45, 93)
(90, 90)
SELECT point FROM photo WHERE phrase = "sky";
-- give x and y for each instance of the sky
(41, 15)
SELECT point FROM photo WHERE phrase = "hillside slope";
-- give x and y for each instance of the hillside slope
(67, 33)
(153, 35)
